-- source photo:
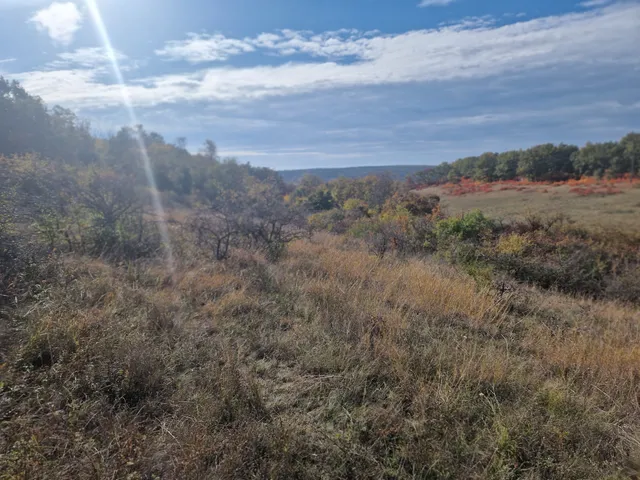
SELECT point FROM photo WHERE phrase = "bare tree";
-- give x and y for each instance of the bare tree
(253, 214)
(270, 222)
(214, 232)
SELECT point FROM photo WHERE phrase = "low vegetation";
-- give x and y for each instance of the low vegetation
(349, 329)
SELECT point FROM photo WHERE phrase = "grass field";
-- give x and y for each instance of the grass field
(332, 364)
(620, 210)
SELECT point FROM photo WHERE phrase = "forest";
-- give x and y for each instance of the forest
(542, 163)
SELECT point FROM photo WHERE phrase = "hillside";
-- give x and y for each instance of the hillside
(351, 329)
(329, 364)
(398, 172)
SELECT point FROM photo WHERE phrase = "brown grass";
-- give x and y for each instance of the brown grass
(330, 364)
(619, 211)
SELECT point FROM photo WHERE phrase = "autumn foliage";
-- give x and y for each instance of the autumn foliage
(584, 186)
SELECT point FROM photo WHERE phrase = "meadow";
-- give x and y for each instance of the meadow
(332, 363)
(595, 204)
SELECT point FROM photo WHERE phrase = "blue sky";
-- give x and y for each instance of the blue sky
(313, 83)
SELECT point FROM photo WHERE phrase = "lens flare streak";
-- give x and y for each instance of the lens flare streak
(96, 16)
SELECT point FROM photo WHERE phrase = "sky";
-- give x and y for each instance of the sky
(328, 83)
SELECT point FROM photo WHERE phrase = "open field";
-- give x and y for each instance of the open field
(329, 364)
(618, 210)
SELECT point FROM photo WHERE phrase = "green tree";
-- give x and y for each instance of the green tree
(485, 167)
(186, 181)
(210, 150)
(507, 165)
(466, 167)
(547, 162)
(631, 145)
(27, 126)
(435, 175)
(597, 158)
(320, 200)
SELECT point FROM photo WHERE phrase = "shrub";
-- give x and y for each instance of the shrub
(626, 286)
(24, 263)
(470, 226)
(416, 205)
(23, 266)
(357, 207)
(513, 244)
(380, 235)
(331, 220)
(213, 233)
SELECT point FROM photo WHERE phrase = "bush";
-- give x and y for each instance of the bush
(578, 270)
(416, 205)
(513, 244)
(213, 233)
(23, 262)
(334, 221)
(626, 286)
(472, 226)
(380, 235)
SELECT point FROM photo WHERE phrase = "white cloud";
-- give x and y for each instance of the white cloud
(60, 20)
(435, 3)
(204, 48)
(598, 109)
(201, 48)
(342, 43)
(94, 57)
(7, 60)
(594, 3)
(597, 39)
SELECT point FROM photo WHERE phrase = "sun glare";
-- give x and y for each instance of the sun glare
(101, 29)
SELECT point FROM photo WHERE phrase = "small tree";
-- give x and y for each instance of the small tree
(469, 227)
(214, 232)
(210, 150)
(240, 208)
(115, 212)
(319, 201)
(270, 222)
(381, 234)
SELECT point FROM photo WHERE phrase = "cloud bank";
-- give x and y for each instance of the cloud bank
(599, 38)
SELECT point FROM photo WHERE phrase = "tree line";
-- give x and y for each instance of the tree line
(29, 127)
(547, 162)
(90, 195)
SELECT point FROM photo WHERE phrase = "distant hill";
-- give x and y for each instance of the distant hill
(399, 172)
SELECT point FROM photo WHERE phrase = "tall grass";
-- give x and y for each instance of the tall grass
(332, 363)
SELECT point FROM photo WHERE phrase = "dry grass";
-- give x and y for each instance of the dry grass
(330, 364)
(620, 211)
